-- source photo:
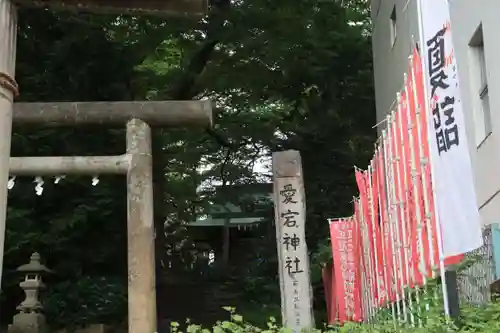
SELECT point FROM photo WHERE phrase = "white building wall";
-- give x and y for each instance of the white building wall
(466, 18)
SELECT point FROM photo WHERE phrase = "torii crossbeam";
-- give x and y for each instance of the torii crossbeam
(135, 164)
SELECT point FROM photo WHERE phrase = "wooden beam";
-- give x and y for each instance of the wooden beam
(135, 7)
(162, 114)
(66, 165)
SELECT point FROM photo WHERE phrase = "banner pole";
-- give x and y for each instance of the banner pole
(385, 232)
(393, 225)
(402, 198)
(397, 219)
(364, 278)
(424, 167)
(367, 255)
(389, 225)
(374, 226)
(407, 199)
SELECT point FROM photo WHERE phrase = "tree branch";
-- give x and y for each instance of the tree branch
(185, 89)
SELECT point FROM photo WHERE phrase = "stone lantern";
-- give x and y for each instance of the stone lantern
(30, 318)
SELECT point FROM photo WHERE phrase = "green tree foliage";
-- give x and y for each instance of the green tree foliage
(283, 74)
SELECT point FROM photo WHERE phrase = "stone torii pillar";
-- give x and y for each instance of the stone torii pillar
(8, 90)
(135, 163)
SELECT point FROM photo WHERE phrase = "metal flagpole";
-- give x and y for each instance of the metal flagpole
(367, 284)
(442, 269)
(400, 160)
(389, 225)
(407, 200)
(416, 192)
(424, 164)
(366, 250)
(397, 219)
(384, 224)
(364, 278)
(393, 220)
(373, 223)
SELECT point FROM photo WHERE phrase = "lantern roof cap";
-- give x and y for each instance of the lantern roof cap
(34, 266)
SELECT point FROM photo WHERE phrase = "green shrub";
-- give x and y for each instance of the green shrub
(474, 319)
(87, 300)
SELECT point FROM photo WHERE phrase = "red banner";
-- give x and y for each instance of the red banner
(416, 78)
(363, 264)
(346, 267)
(419, 205)
(415, 69)
(407, 222)
(377, 232)
(328, 274)
(399, 196)
(368, 198)
(363, 215)
(391, 241)
(386, 234)
(406, 151)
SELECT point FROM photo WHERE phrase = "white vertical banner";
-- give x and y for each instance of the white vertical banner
(456, 204)
(290, 211)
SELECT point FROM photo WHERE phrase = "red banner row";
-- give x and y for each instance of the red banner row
(391, 241)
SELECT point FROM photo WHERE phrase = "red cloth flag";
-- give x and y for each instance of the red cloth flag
(346, 267)
(368, 210)
(386, 234)
(416, 69)
(377, 232)
(330, 294)
(407, 217)
(363, 265)
(392, 151)
(414, 184)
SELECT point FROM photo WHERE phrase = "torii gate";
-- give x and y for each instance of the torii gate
(136, 163)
